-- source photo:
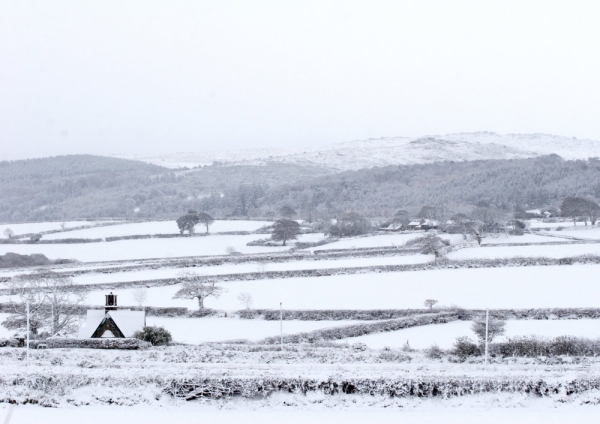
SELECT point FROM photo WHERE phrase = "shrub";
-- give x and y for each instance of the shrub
(434, 352)
(157, 336)
(464, 347)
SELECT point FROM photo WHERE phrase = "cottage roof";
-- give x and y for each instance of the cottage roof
(127, 321)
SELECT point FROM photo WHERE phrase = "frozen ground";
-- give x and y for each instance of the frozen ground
(156, 227)
(444, 335)
(554, 251)
(521, 287)
(150, 248)
(36, 227)
(475, 410)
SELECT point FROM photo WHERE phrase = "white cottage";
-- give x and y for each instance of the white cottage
(112, 322)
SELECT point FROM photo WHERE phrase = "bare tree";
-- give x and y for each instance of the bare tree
(430, 303)
(195, 286)
(53, 301)
(245, 299)
(9, 233)
(495, 328)
(140, 295)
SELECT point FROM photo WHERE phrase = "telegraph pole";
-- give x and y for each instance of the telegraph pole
(27, 333)
(487, 324)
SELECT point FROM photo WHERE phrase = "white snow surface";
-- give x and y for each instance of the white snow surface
(521, 287)
(403, 150)
(37, 227)
(525, 238)
(156, 227)
(580, 232)
(150, 248)
(493, 409)
(208, 329)
(444, 335)
(554, 251)
(383, 240)
(96, 278)
(537, 223)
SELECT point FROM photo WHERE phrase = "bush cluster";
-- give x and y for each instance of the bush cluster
(532, 346)
(108, 343)
(156, 336)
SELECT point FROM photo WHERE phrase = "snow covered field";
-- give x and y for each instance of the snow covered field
(150, 248)
(250, 267)
(584, 233)
(536, 223)
(555, 251)
(383, 240)
(444, 335)
(525, 238)
(156, 227)
(491, 409)
(199, 330)
(524, 287)
(36, 227)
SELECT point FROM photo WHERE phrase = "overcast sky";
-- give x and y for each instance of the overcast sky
(150, 77)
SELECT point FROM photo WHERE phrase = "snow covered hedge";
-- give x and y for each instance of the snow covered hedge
(534, 346)
(333, 314)
(109, 343)
(418, 387)
(337, 333)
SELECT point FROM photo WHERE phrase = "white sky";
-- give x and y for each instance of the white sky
(150, 77)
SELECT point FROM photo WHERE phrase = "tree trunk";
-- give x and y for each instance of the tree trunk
(200, 302)
(54, 323)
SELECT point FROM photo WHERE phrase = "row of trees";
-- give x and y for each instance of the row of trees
(53, 301)
(189, 221)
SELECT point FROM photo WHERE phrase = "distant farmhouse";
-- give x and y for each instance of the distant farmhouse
(112, 322)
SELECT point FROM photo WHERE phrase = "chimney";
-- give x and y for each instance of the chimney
(111, 302)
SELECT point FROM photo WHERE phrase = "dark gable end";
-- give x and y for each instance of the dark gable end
(107, 324)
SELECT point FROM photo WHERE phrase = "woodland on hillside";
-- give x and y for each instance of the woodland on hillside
(70, 187)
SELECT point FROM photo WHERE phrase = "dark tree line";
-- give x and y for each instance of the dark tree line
(95, 187)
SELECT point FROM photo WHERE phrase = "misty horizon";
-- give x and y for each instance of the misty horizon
(155, 79)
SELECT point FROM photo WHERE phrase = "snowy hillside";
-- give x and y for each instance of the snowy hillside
(399, 150)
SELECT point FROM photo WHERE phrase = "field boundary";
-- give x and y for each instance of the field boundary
(328, 272)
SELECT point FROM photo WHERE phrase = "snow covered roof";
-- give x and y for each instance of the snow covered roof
(127, 320)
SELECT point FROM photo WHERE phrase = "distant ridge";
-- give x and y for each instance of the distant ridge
(385, 151)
